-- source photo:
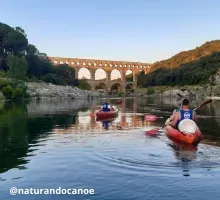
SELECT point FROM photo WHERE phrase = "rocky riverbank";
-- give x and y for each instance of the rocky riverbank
(192, 92)
(47, 91)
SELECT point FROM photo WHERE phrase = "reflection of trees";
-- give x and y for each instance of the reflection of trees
(13, 136)
(210, 125)
(17, 131)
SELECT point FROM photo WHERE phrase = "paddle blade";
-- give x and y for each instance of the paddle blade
(203, 104)
(119, 102)
(91, 114)
(179, 95)
(150, 118)
(152, 132)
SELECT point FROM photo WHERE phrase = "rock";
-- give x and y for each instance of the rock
(180, 93)
(44, 91)
(215, 79)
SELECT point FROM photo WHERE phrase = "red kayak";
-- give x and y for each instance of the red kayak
(105, 115)
(189, 138)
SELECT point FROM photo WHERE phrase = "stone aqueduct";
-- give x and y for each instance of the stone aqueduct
(108, 67)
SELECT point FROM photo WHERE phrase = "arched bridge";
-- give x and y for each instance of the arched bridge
(108, 66)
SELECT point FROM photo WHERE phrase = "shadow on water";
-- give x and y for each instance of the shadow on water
(19, 132)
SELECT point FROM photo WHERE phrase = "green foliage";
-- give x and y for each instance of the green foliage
(4, 83)
(17, 66)
(32, 50)
(8, 92)
(18, 59)
(150, 91)
(13, 89)
(38, 66)
(65, 72)
(12, 42)
(187, 56)
(129, 77)
(18, 93)
(83, 85)
(13, 93)
(192, 73)
(54, 79)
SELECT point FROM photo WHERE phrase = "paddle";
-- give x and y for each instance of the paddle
(179, 95)
(151, 118)
(154, 132)
(203, 104)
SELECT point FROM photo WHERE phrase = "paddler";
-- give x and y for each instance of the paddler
(184, 113)
(106, 107)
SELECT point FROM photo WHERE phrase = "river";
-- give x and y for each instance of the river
(52, 144)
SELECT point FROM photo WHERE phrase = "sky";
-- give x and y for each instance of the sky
(127, 30)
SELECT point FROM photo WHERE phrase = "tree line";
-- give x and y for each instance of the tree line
(22, 60)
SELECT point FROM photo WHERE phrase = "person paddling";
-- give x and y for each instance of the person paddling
(106, 107)
(184, 113)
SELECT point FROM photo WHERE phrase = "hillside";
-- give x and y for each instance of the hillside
(189, 67)
(188, 56)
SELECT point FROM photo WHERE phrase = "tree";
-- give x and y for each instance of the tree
(15, 43)
(12, 42)
(66, 72)
(17, 66)
(20, 30)
(38, 66)
(32, 50)
(84, 85)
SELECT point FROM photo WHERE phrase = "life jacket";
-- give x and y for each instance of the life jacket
(105, 107)
(177, 109)
(185, 115)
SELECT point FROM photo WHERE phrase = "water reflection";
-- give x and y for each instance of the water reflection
(23, 127)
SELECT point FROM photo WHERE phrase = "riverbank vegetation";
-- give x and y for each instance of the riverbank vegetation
(20, 60)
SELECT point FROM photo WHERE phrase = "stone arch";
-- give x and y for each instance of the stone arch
(116, 75)
(129, 73)
(101, 87)
(116, 88)
(84, 72)
(101, 73)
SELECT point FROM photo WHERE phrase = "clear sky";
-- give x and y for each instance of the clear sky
(130, 30)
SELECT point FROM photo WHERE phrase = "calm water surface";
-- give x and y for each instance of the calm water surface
(52, 144)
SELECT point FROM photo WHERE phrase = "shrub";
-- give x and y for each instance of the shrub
(150, 91)
(18, 93)
(3, 83)
(84, 85)
(54, 79)
(8, 92)
(17, 66)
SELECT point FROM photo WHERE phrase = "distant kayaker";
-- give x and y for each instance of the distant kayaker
(106, 107)
(184, 113)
